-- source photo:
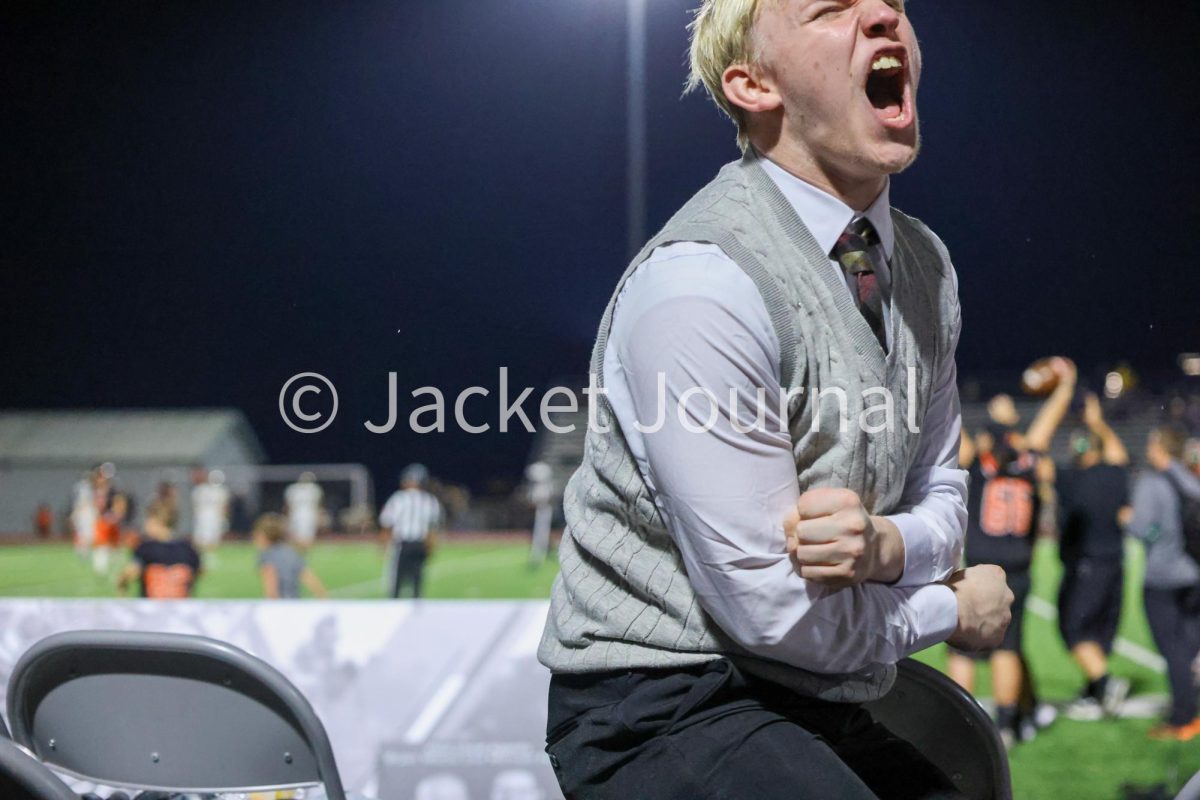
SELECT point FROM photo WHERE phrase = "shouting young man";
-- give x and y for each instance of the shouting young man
(742, 572)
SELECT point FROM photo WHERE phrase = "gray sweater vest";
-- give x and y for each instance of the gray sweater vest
(622, 599)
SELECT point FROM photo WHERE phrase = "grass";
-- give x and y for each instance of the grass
(350, 570)
(1087, 759)
(1070, 760)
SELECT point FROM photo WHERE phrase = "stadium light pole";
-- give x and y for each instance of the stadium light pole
(636, 144)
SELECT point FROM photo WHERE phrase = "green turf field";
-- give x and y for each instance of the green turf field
(1070, 760)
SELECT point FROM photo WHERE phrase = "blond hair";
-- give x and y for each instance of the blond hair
(271, 526)
(1171, 439)
(163, 513)
(722, 34)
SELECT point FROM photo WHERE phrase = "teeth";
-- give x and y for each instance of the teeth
(886, 62)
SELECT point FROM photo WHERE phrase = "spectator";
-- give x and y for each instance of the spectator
(166, 567)
(1172, 583)
(43, 521)
(281, 567)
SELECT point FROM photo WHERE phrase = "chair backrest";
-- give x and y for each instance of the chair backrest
(23, 777)
(166, 712)
(940, 719)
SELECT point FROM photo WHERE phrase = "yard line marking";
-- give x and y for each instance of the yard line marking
(1142, 706)
(1123, 647)
(1043, 608)
(429, 717)
(1140, 655)
(526, 643)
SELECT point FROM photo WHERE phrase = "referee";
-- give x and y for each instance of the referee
(409, 520)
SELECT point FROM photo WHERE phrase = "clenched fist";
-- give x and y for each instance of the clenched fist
(834, 541)
(984, 607)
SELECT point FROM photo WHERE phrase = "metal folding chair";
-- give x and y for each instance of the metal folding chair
(940, 719)
(166, 712)
(23, 777)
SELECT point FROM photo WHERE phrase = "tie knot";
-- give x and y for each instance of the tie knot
(854, 245)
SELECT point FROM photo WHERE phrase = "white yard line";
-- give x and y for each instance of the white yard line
(1123, 647)
(435, 709)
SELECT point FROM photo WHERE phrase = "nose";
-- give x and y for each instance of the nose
(881, 19)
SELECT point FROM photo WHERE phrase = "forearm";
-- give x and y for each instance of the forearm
(774, 613)
(313, 584)
(933, 530)
(1112, 448)
(1051, 414)
(890, 544)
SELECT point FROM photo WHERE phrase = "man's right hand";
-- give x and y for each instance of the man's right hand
(984, 607)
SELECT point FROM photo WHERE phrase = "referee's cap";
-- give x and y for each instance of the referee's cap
(414, 473)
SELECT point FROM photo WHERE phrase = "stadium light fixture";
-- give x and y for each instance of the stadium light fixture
(636, 135)
(1190, 364)
(1114, 385)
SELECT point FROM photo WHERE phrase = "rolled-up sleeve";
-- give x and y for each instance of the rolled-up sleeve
(692, 351)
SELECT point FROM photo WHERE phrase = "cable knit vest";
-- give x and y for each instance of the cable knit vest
(622, 599)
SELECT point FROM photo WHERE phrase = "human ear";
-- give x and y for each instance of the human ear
(748, 87)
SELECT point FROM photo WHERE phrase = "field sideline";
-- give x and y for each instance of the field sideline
(1070, 760)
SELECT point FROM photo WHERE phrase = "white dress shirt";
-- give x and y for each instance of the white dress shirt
(691, 315)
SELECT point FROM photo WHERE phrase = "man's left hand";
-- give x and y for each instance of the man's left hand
(832, 540)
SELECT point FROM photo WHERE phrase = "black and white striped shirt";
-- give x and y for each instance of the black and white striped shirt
(411, 514)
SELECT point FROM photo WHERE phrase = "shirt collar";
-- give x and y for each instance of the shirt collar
(827, 217)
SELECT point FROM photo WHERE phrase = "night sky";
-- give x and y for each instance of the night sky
(203, 199)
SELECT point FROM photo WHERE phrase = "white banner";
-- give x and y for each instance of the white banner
(425, 700)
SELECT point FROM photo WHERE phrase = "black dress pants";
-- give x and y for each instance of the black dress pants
(1174, 617)
(409, 568)
(713, 732)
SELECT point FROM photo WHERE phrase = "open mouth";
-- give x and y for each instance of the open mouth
(887, 90)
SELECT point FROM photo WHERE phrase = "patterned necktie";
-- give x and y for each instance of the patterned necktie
(853, 252)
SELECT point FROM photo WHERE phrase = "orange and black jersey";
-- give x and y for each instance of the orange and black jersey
(1002, 511)
(168, 569)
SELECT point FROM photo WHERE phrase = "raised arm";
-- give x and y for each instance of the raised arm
(1112, 449)
(1050, 415)
(967, 451)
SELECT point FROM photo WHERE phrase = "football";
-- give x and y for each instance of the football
(1039, 378)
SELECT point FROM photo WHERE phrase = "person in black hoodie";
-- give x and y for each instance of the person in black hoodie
(1092, 496)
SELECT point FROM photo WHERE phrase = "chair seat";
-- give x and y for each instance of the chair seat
(945, 723)
(23, 777)
(181, 713)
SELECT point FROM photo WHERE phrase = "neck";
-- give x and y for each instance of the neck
(856, 191)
